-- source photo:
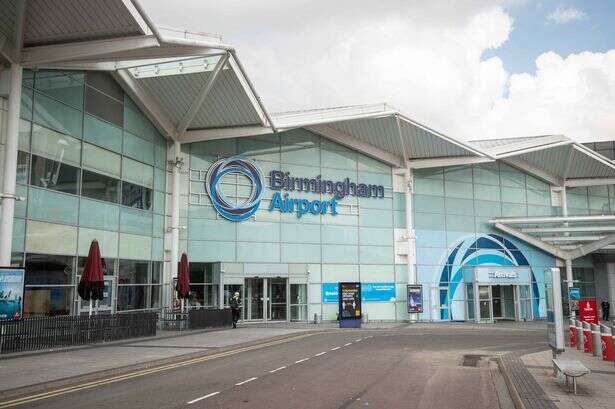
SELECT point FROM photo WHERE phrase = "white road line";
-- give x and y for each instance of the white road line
(301, 360)
(358, 340)
(246, 381)
(277, 369)
(335, 349)
(203, 397)
(349, 343)
(321, 353)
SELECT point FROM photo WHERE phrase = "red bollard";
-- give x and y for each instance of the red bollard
(573, 334)
(587, 336)
(607, 343)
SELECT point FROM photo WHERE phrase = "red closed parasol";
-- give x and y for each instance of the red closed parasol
(183, 280)
(91, 285)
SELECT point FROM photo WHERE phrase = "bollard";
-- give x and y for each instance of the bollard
(596, 340)
(607, 343)
(579, 334)
(573, 333)
(587, 337)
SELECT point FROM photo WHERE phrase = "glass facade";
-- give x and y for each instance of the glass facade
(90, 165)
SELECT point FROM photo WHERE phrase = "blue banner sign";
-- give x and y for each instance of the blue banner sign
(369, 292)
(11, 293)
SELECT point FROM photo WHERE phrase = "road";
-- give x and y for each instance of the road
(408, 367)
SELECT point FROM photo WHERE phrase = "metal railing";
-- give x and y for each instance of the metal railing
(209, 318)
(31, 334)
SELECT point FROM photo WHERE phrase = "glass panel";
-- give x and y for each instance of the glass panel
(138, 148)
(100, 187)
(134, 272)
(101, 160)
(47, 301)
(52, 206)
(54, 175)
(138, 173)
(132, 297)
(277, 297)
(99, 215)
(22, 167)
(135, 221)
(102, 81)
(49, 269)
(254, 299)
(104, 107)
(63, 86)
(156, 296)
(56, 115)
(102, 133)
(56, 146)
(136, 196)
(24, 135)
(157, 272)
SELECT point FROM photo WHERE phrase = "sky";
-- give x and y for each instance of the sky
(472, 69)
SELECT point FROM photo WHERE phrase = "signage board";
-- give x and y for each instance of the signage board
(588, 310)
(350, 301)
(11, 293)
(555, 314)
(415, 299)
(378, 292)
(502, 275)
(370, 292)
(574, 296)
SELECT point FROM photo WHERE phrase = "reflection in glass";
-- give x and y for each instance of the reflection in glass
(136, 196)
(47, 301)
(97, 186)
(54, 175)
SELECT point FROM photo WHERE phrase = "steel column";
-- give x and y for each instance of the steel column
(10, 166)
(410, 235)
(175, 210)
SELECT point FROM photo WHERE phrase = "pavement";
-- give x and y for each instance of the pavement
(594, 391)
(382, 365)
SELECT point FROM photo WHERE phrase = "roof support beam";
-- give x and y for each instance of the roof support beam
(533, 149)
(401, 140)
(46, 54)
(591, 228)
(591, 247)
(202, 95)
(533, 241)
(556, 219)
(199, 135)
(147, 103)
(350, 141)
(535, 170)
(446, 161)
(590, 182)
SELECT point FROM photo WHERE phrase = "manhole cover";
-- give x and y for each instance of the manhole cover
(472, 360)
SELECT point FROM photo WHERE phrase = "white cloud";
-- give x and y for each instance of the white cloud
(563, 15)
(424, 58)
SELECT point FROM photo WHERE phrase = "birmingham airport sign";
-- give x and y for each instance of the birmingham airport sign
(282, 183)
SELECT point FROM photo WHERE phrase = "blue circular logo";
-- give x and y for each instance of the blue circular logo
(226, 208)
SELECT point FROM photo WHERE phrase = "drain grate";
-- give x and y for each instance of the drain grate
(472, 360)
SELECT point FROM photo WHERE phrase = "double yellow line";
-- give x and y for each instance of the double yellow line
(143, 372)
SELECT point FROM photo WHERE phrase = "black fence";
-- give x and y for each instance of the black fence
(209, 318)
(31, 334)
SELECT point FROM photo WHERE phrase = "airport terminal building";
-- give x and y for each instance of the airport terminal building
(156, 143)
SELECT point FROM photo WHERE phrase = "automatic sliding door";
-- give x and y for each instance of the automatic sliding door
(254, 298)
(277, 297)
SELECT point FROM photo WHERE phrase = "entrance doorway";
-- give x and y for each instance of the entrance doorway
(504, 302)
(265, 299)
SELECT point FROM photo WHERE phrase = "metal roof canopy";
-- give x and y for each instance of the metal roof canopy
(568, 237)
(376, 130)
(118, 36)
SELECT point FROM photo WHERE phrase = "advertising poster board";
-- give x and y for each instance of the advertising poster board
(11, 293)
(574, 296)
(350, 305)
(378, 292)
(588, 310)
(415, 299)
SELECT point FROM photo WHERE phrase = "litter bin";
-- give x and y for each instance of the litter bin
(587, 337)
(573, 333)
(596, 340)
(580, 338)
(607, 342)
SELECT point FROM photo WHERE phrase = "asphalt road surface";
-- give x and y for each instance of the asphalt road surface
(408, 367)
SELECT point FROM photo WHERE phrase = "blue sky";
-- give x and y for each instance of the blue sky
(535, 33)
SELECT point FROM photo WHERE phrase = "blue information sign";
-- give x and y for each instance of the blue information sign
(11, 293)
(574, 293)
(369, 292)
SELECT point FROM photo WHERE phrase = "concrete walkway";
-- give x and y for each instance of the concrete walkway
(595, 391)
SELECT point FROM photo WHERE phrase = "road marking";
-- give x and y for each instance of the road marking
(246, 381)
(321, 353)
(203, 397)
(301, 360)
(335, 349)
(349, 343)
(143, 372)
(358, 340)
(277, 369)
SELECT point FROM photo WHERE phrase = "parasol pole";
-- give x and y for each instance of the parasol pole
(90, 313)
